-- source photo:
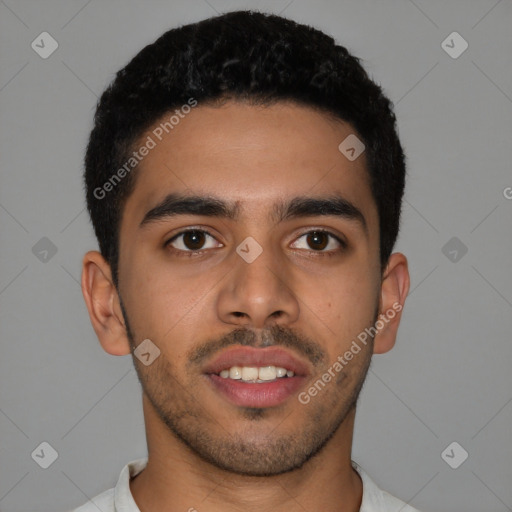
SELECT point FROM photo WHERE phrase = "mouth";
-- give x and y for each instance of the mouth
(257, 375)
(258, 378)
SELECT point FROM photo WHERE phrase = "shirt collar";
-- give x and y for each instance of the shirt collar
(123, 500)
(372, 496)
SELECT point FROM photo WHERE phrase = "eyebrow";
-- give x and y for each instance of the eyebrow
(175, 204)
(334, 206)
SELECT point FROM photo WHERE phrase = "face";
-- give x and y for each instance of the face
(250, 248)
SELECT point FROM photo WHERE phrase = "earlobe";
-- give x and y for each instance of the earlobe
(394, 290)
(102, 302)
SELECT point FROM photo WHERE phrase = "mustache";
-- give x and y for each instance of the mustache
(275, 336)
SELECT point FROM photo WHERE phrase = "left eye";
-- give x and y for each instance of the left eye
(192, 240)
(320, 241)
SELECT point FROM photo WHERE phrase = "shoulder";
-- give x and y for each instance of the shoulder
(103, 502)
(119, 497)
(393, 504)
(377, 500)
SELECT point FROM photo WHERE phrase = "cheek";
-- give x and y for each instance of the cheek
(341, 296)
(163, 302)
(340, 308)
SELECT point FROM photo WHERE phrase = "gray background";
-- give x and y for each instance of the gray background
(448, 378)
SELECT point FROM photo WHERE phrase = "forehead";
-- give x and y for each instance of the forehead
(251, 155)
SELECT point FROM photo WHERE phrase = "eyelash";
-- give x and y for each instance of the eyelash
(198, 252)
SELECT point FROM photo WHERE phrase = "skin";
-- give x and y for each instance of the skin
(205, 452)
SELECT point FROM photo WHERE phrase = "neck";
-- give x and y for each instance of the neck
(177, 478)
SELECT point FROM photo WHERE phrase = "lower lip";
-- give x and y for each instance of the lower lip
(267, 394)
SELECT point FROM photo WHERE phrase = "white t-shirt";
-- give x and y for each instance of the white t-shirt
(120, 499)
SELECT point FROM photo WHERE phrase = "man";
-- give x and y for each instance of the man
(244, 178)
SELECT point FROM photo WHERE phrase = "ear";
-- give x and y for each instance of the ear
(394, 289)
(102, 302)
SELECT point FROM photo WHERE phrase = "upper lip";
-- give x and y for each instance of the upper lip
(249, 356)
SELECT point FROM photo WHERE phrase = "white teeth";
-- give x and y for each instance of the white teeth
(256, 374)
(249, 373)
(267, 373)
(280, 372)
(235, 372)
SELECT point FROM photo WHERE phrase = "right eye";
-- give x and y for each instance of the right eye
(192, 240)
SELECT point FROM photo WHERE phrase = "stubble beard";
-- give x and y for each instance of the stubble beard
(261, 447)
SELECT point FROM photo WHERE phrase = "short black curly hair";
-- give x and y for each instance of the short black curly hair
(248, 56)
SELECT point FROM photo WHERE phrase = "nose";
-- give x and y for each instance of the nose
(258, 294)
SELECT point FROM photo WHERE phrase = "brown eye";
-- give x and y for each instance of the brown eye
(193, 240)
(317, 240)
